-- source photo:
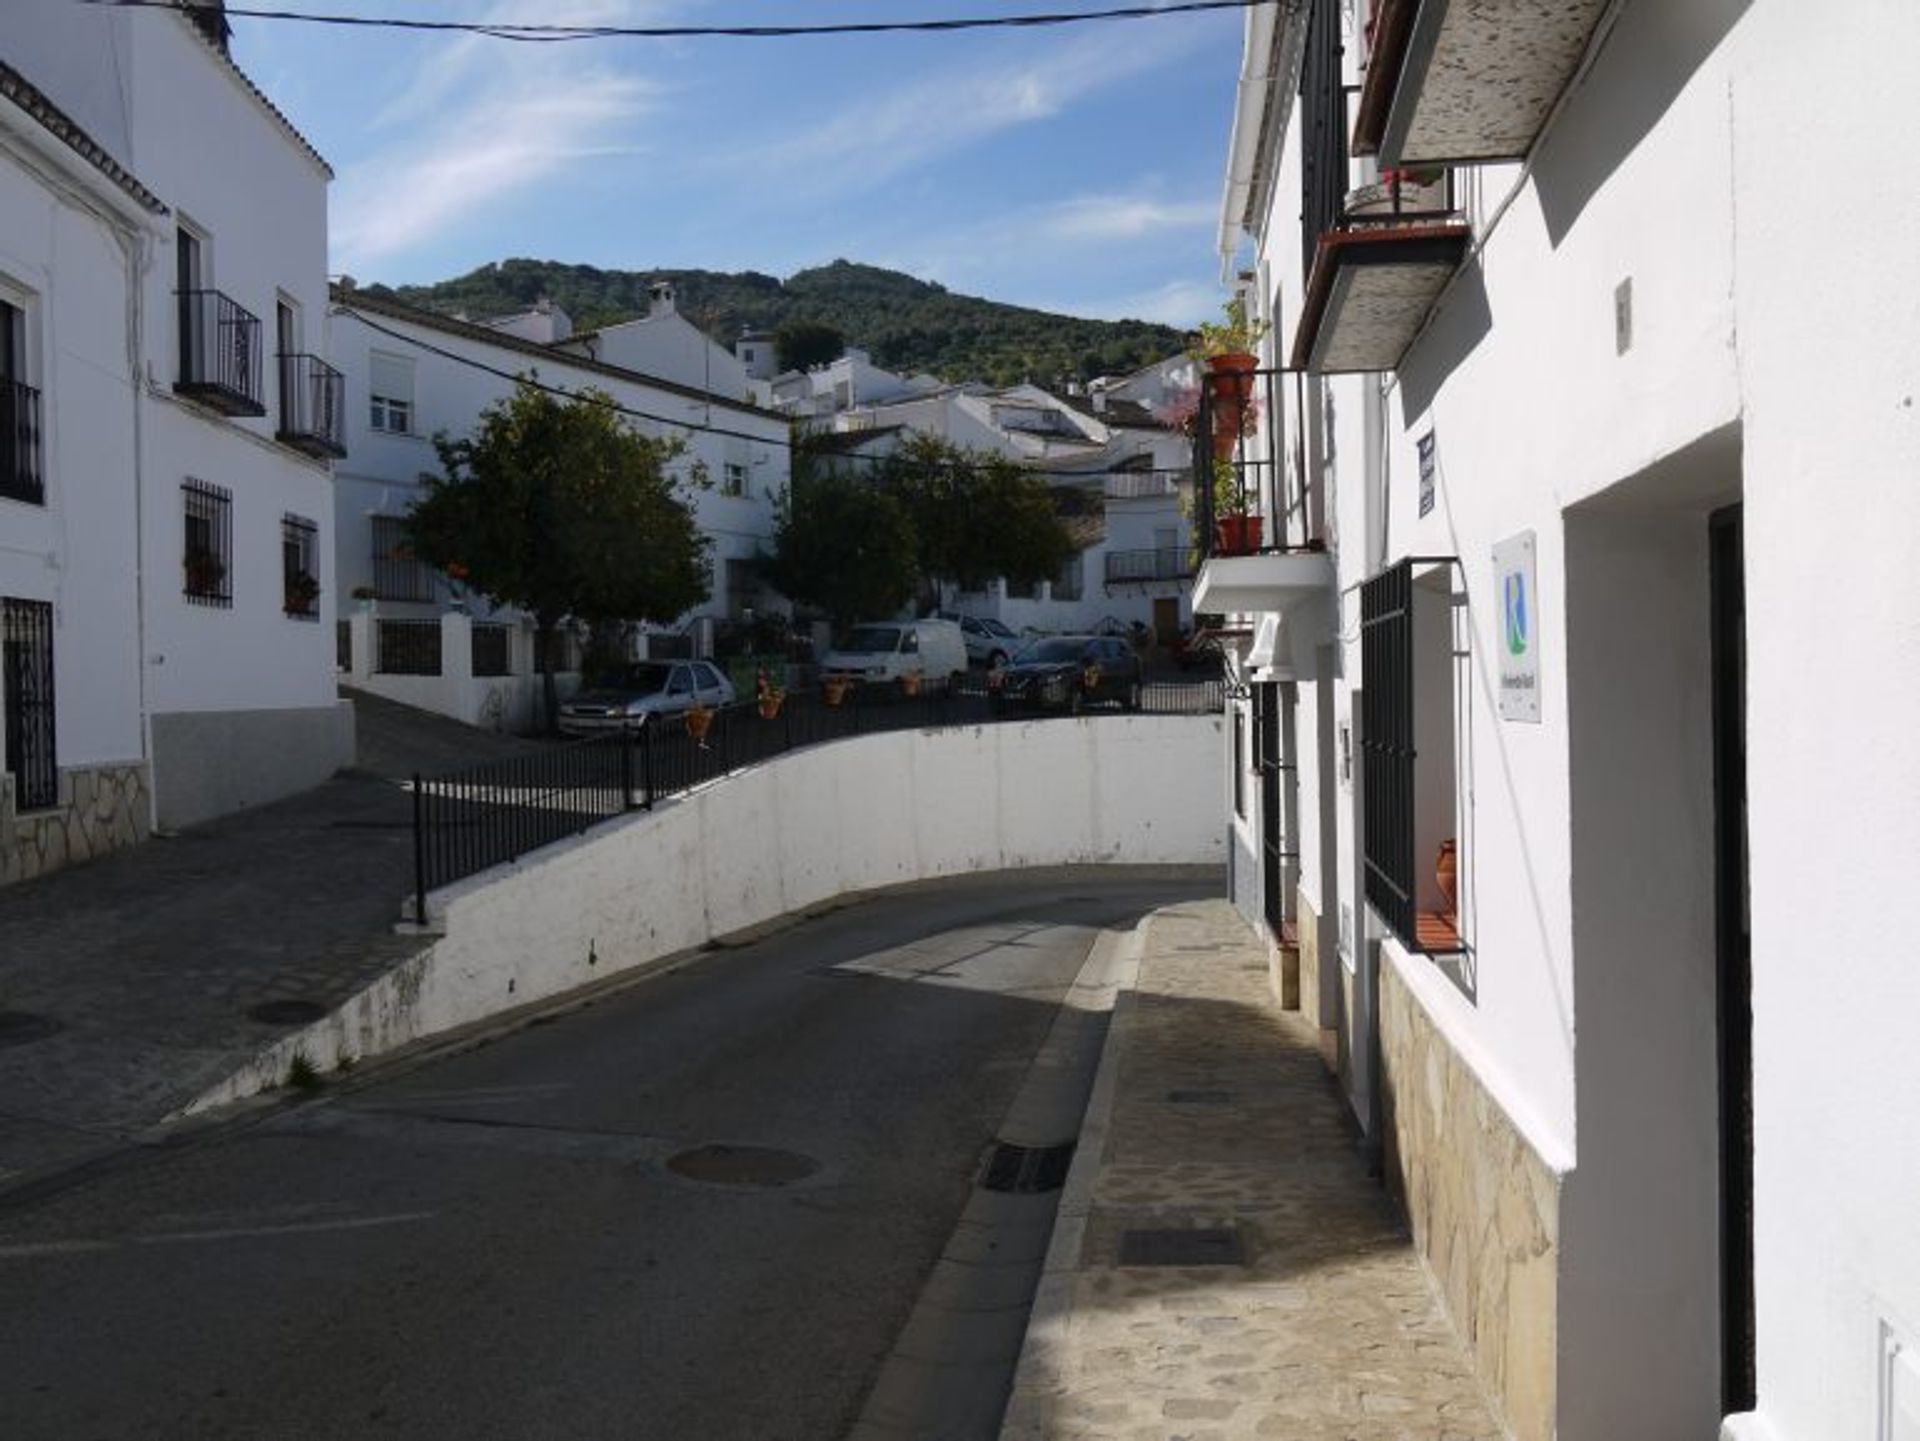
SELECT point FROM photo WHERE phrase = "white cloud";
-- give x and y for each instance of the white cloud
(1181, 303)
(1122, 217)
(482, 120)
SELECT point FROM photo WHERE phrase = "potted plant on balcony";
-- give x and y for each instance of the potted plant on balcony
(1227, 347)
(205, 571)
(1236, 529)
(302, 591)
(366, 595)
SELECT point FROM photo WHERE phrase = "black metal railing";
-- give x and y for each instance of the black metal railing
(313, 406)
(1387, 747)
(407, 647)
(221, 359)
(26, 702)
(343, 644)
(469, 820)
(1323, 131)
(20, 477)
(492, 651)
(1160, 563)
(1252, 489)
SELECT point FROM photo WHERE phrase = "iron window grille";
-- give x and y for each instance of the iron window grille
(20, 477)
(407, 647)
(207, 556)
(26, 687)
(1069, 584)
(1390, 759)
(397, 573)
(300, 567)
(492, 649)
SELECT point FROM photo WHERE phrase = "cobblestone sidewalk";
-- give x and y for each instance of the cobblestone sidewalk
(1214, 1120)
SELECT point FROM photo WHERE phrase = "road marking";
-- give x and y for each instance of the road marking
(28, 1250)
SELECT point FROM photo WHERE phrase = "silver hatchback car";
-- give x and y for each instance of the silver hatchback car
(645, 688)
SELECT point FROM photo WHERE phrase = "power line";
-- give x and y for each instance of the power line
(551, 33)
(529, 378)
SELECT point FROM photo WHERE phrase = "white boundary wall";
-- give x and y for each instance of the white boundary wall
(777, 838)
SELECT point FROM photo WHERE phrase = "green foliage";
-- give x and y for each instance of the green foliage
(976, 516)
(303, 1075)
(906, 324)
(842, 545)
(1233, 335)
(803, 344)
(558, 508)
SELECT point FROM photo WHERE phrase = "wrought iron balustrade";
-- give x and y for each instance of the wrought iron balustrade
(1158, 563)
(1252, 491)
(20, 477)
(313, 402)
(222, 362)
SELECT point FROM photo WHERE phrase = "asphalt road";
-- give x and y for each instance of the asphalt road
(494, 1244)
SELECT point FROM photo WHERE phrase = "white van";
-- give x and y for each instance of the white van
(880, 652)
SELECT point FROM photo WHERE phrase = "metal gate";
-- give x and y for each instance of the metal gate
(26, 689)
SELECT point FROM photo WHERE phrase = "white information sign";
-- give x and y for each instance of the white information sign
(1519, 628)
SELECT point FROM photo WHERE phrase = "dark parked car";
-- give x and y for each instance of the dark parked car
(1071, 672)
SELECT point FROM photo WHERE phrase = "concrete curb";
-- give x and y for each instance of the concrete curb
(1052, 1309)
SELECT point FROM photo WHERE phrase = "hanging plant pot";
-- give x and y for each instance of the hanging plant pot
(699, 720)
(910, 683)
(770, 706)
(1236, 534)
(1230, 377)
(834, 689)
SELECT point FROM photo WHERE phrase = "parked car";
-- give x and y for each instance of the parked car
(1071, 672)
(882, 652)
(988, 641)
(645, 688)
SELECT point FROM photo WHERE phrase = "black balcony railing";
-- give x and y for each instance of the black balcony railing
(221, 358)
(469, 820)
(20, 477)
(313, 406)
(1252, 491)
(1161, 563)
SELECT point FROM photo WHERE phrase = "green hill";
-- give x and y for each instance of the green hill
(905, 324)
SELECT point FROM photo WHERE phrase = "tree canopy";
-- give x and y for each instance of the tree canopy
(559, 508)
(803, 344)
(842, 546)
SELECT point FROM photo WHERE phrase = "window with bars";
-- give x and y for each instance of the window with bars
(397, 575)
(207, 554)
(300, 567)
(26, 694)
(1407, 751)
(20, 477)
(1068, 584)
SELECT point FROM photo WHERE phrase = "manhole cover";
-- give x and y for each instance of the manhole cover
(742, 1166)
(19, 1027)
(1199, 1098)
(1182, 1248)
(287, 1013)
(1026, 1170)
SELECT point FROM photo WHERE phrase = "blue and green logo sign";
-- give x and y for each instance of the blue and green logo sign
(1515, 607)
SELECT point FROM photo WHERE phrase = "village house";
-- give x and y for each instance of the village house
(167, 423)
(1569, 762)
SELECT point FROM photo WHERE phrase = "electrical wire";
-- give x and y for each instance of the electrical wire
(531, 379)
(551, 33)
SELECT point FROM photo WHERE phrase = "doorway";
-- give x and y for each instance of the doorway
(1166, 620)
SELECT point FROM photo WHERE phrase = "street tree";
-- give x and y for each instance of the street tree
(976, 515)
(801, 344)
(558, 507)
(841, 544)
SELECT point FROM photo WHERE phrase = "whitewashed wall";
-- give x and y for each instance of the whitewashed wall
(776, 839)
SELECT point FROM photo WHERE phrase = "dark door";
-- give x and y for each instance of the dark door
(1266, 715)
(26, 687)
(1733, 968)
(186, 255)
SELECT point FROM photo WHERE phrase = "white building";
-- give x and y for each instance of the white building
(1561, 424)
(164, 483)
(816, 396)
(414, 373)
(665, 345)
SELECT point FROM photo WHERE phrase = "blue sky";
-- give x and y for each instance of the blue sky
(1076, 169)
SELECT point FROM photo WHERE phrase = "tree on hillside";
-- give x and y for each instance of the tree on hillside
(557, 507)
(976, 516)
(803, 344)
(841, 544)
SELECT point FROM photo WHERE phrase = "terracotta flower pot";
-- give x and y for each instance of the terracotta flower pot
(1446, 874)
(1236, 534)
(698, 723)
(834, 691)
(770, 706)
(910, 683)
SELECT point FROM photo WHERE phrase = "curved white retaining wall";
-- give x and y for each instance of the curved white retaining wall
(777, 838)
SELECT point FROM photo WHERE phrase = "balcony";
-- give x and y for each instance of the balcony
(1379, 245)
(1259, 521)
(1128, 567)
(312, 407)
(20, 477)
(220, 354)
(1459, 82)
(1138, 485)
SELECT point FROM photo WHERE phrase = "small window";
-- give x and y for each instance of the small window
(733, 478)
(300, 567)
(207, 555)
(910, 643)
(390, 393)
(709, 677)
(1068, 585)
(20, 474)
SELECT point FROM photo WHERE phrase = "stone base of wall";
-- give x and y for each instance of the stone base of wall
(101, 809)
(1313, 1005)
(1485, 1208)
(1283, 972)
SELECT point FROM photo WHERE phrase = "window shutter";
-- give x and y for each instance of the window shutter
(390, 376)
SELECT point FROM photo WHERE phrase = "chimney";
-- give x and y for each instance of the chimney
(209, 17)
(660, 293)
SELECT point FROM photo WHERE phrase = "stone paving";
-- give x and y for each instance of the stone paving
(143, 964)
(1215, 1112)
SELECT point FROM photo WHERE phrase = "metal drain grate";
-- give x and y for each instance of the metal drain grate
(1218, 1247)
(1026, 1170)
(19, 1027)
(287, 1013)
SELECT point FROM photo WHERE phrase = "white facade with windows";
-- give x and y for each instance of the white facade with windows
(135, 157)
(422, 374)
(1565, 418)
